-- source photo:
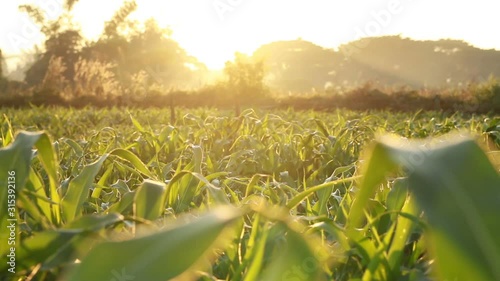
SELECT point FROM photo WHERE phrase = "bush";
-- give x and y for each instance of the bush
(488, 95)
(95, 78)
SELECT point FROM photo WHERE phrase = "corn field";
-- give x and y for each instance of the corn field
(114, 194)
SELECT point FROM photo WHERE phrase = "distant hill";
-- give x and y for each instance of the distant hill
(299, 65)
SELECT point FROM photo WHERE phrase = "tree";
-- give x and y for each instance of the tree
(1, 64)
(3, 81)
(134, 49)
(148, 50)
(63, 39)
(119, 20)
(246, 78)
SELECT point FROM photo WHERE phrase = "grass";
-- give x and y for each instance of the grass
(112, 194)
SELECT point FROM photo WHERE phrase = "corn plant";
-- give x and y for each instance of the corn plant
(126, 195)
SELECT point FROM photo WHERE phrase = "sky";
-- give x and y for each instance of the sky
(213, 30)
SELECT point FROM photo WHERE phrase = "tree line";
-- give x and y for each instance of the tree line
(138, 63)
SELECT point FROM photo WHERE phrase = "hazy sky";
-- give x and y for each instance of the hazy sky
(213, 30)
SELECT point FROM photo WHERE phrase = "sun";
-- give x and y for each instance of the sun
(201, 31)
(198, 31)
(212, 55)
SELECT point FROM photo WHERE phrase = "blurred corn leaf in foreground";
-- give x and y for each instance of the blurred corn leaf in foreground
(458, 190)
(160, 256)
(15, 161)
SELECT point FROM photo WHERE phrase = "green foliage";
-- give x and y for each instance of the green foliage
(456, 186)
(149, 200)
(276, 195)
(151, 257)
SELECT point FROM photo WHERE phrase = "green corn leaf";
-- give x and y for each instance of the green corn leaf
(55, 247)
(149, 201)
(308, 192)
(293, 259)
(136, 123)
(152, 257)
(78, 190)
(458, 189)
(15, 162)
(134, 160)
